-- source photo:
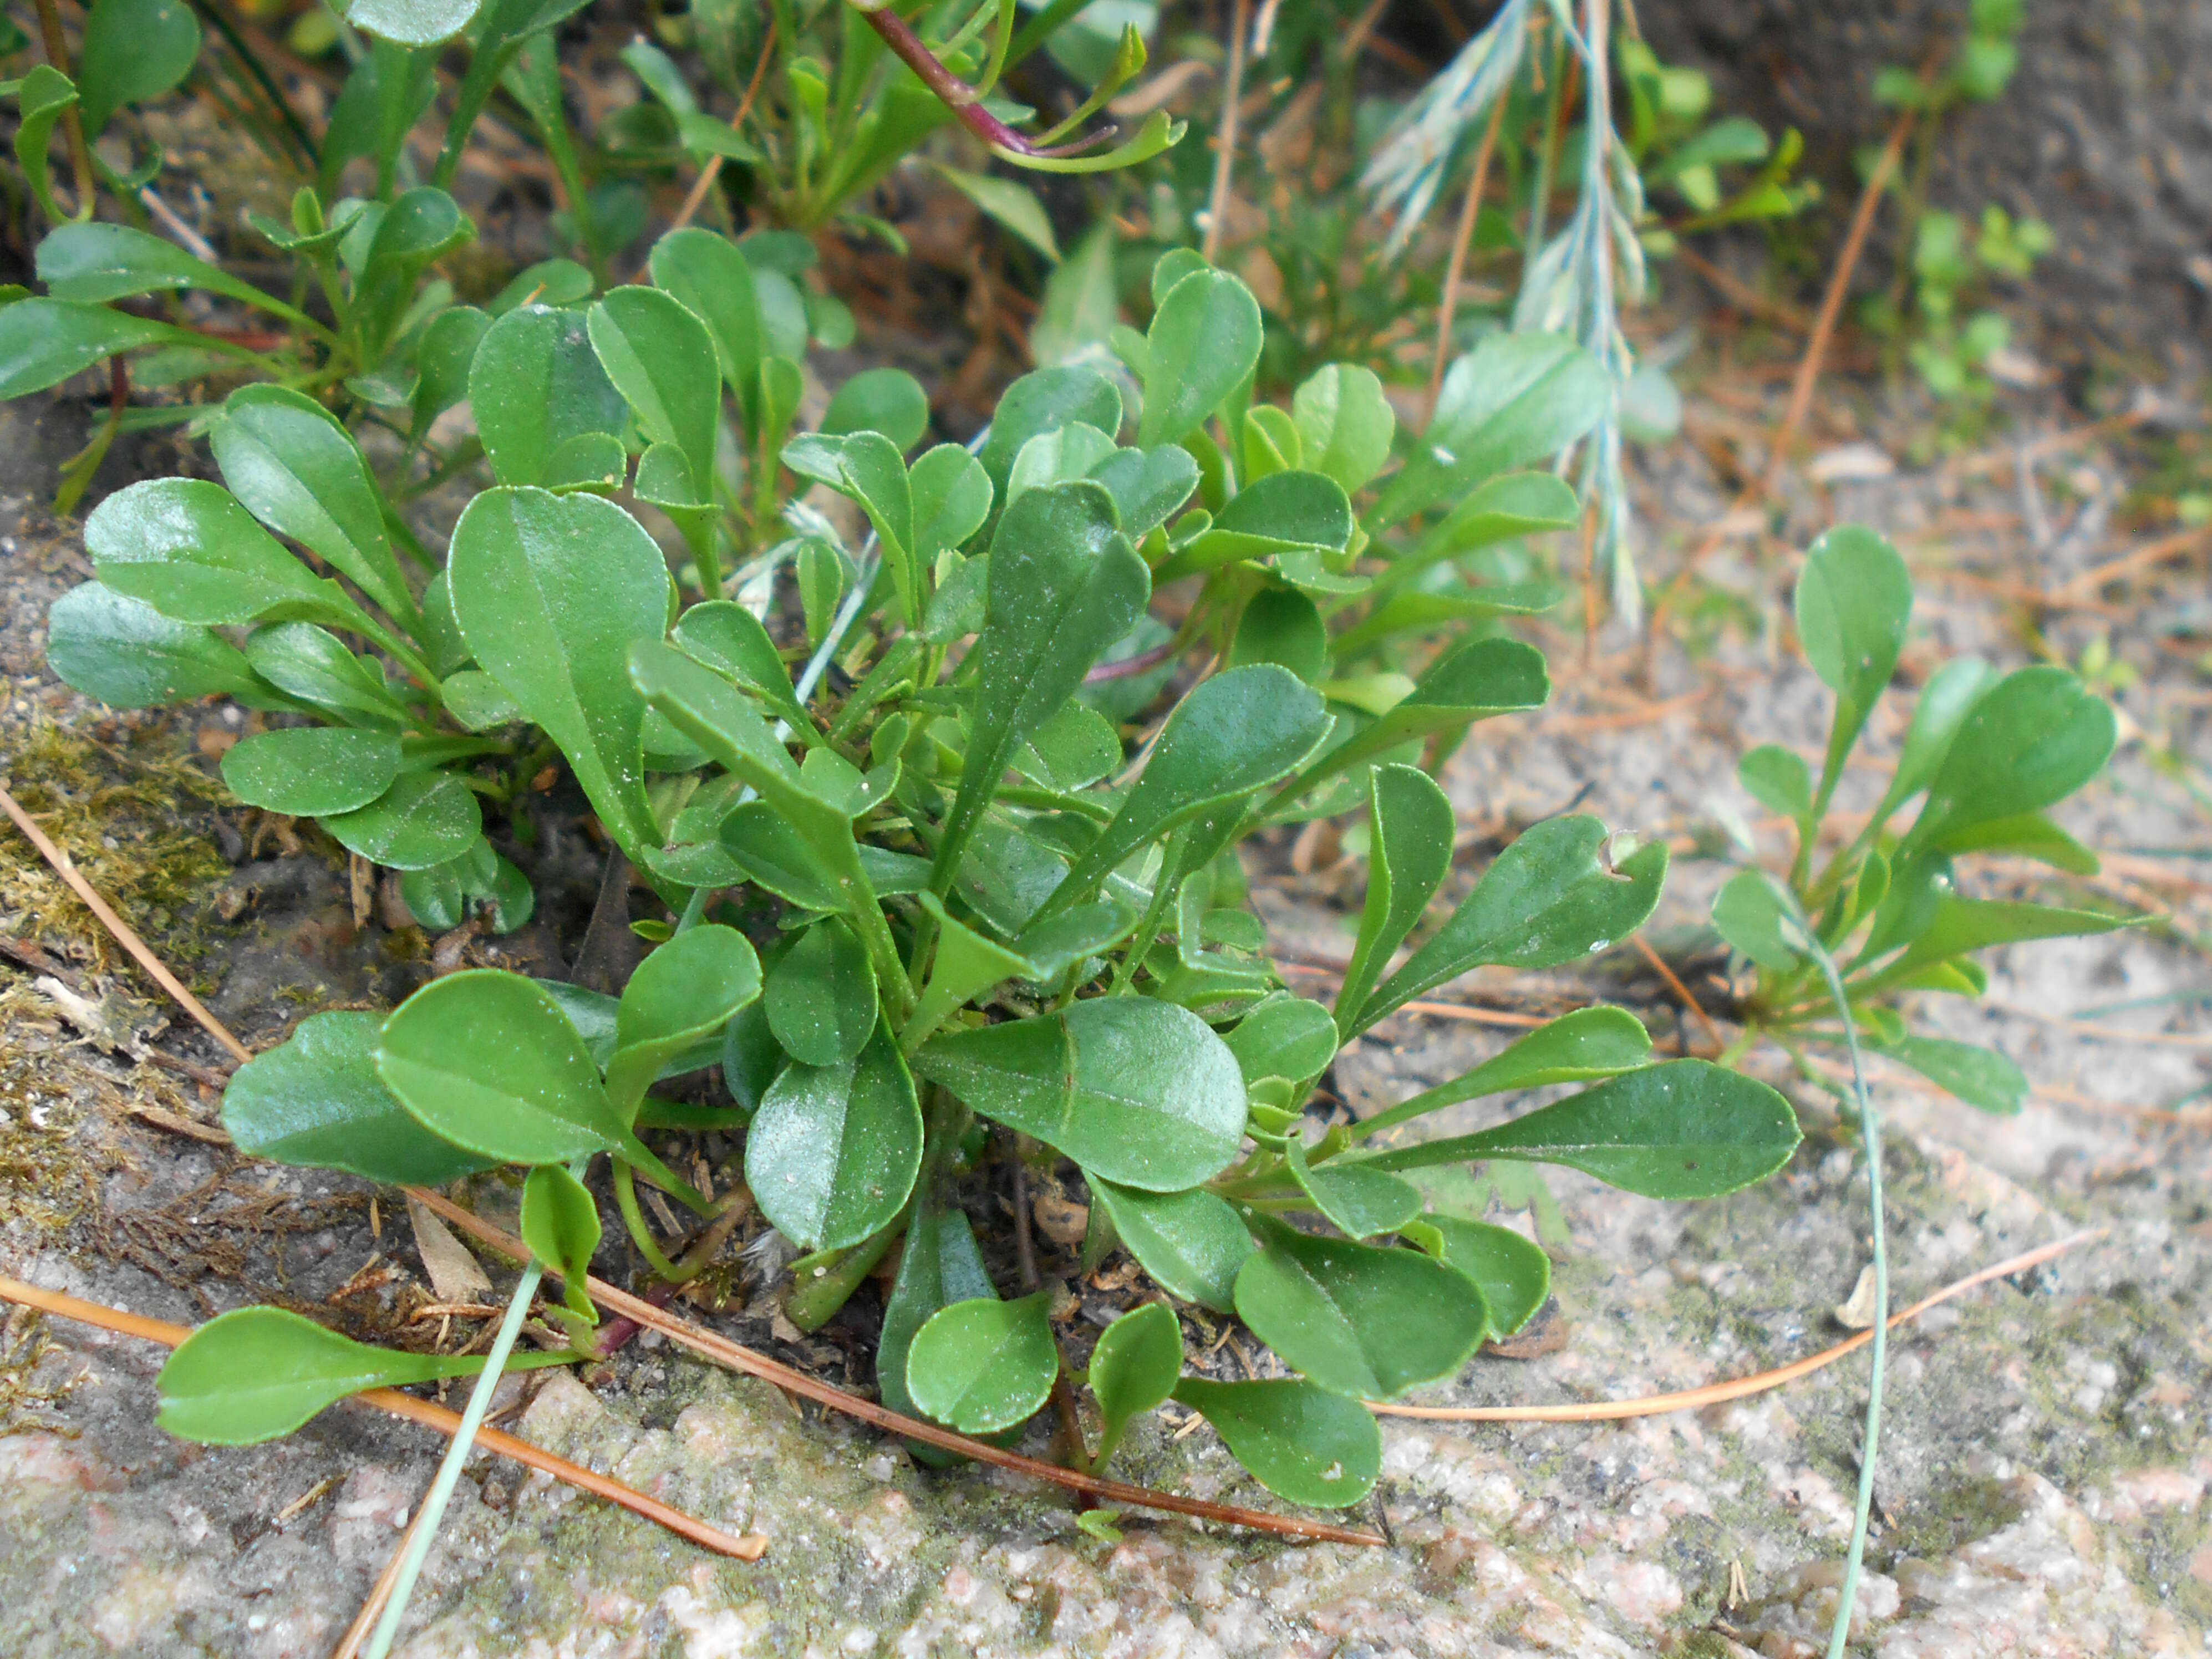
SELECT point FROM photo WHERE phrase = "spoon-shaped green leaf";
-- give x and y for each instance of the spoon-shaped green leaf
(985, 1365)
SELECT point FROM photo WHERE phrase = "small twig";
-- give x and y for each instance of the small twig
(195, 244)
(391, 1400)
(956, 94)
(1674, 984)
(1469, 214)
(1831, 302)
(1224, 141)
(115, 925)
(1808, 374)
(2152, 552)
(207, 1076)
(1715, 1394)
(713, 169)
(1742, 295)
(739, 1358)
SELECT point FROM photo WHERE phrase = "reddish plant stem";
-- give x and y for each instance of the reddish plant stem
(956, 94)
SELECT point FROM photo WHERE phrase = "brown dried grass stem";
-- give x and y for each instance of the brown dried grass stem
(1715, 1394)
(63, 867)
(712, 1345)
(397, 1404)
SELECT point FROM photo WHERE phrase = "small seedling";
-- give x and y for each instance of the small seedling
(1987, 754)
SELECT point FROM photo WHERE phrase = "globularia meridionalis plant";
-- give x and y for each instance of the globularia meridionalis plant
(1987, 754)
(991, 899)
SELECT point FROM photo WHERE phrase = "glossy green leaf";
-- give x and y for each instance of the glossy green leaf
(983, 1365)
(662, 359)
(1755, 917)
(96, 261)
(867, 467)
(545, 409)
(708, 710)
(561, 1224)
(298, 472)
(305, 771)
(834, 1151)
(412, 23)
(679, 997)
(1590, 1043)
(44, 342)
(189, 549)
(1957, 926)
(1075, 749)
(1285, 1037)
(1133, 1370)
(2029, 742)
(1355, 1319)
(487, 1059)
(1136, 1091)
(1147, 485)
(478, 882)
(1053, 946)
(1685, 1128)
(1409, 851)
(257, 1374)
(551, 593)
(1945, 702)
(939, 1266)
(122, 652)
(419, 225)
(1512, 504)
(2030, 834)
(952, 499)
(1203, 343)
(1302, 1442)
(1191, 1242)
(1065, 453)
(1476, 681)
(478, 702)
(132, 51)
(964, 966)
(316, 1101)
(770, 852)
(1065, 584)
(886, 400)
(821, 995)
(1359, 1203)
(442, 363)
(1283, 626)
(1978, 1076)
(732, 641)
(1854, 599)
(1552, 896)
(41, 97)
(424, 819)
(1777, 780)
(1516, 399)
(714, 282)
(1513, 1275)
(304, 661)
(1281, 514)
(1039, 401)
(1234, 735)
(1344, 423)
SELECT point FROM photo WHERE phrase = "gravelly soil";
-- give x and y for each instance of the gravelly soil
(2043, 1466)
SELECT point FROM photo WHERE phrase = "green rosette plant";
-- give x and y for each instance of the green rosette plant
(988, 903)
(1986, 754)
